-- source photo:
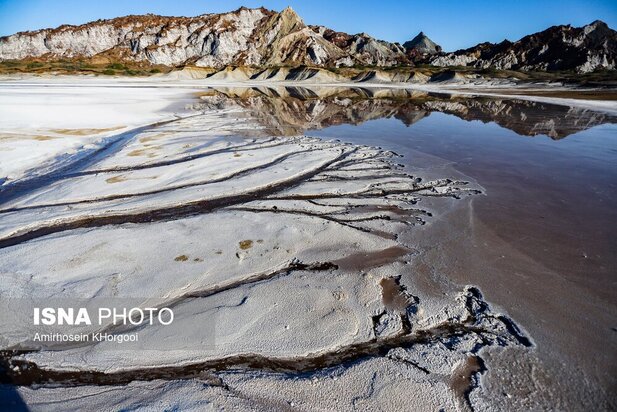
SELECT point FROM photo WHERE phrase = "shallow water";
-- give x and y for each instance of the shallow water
(541, 243)
(555, 200)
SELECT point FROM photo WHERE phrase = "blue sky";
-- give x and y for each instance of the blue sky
(453, 24)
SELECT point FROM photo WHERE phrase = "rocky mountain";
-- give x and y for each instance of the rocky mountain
(583, 49)
(420, 46)
(265, 38)
(365, 48)
(251, 37)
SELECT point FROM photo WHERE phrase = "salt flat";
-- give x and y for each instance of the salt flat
(287, 245)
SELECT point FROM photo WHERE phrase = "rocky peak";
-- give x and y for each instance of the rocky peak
(598, 24)
(598, 30)
(421, 44)
(290, 13)
(290, 20)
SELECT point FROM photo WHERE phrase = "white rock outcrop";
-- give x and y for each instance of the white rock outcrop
(252, 37)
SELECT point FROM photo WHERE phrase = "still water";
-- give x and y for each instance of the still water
(541, 242)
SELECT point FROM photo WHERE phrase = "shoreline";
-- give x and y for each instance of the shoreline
(508, 91)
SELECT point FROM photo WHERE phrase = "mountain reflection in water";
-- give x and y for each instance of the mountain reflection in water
(294, 110)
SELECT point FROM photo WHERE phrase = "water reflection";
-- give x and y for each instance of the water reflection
(293, 110)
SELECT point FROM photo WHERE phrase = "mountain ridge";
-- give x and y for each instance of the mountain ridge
(563, 47)
(265, 38)
(253, 37)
